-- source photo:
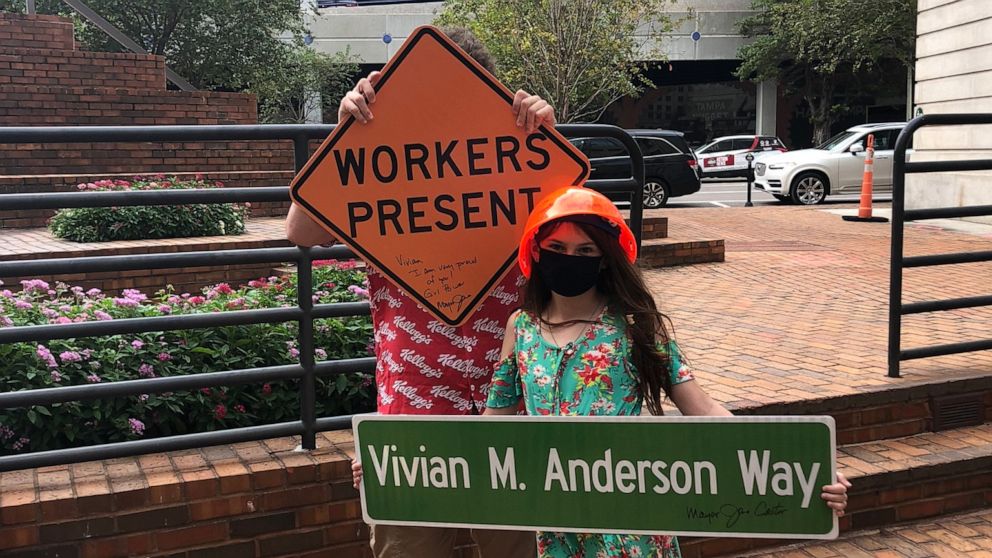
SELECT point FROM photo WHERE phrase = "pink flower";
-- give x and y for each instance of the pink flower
(220, 411)
(56, 376)
(46, 355)
(205, 391)
(70, 356)
(92, 293)
(137, 344)
(5, 321)
(256, 283)
(223, 288)
(93, 379)
(23, 305)
(34, 285)
(293, 352)
(321, 353)
(126, 302)
(137, 427)
(195, 300)
(165, 309)
(63, 320)
(239, 408)
(164, 357)
(146, 371)
(266, 389)
(103, 316)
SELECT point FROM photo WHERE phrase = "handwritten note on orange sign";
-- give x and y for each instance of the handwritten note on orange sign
(435, 190)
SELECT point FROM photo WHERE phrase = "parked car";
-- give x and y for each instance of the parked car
(670, 167)
(725, 157)
(808, 176)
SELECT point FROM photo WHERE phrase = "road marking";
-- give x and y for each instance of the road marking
(718, 204)
(741, 191)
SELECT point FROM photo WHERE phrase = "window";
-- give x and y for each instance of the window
(744, 143)
(655, 146)
(769, 144)
(884, 139)
(596, 148)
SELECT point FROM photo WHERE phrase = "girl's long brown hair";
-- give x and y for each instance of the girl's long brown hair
(623, 286)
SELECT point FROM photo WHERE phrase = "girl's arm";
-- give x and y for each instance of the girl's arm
(509, 340)
(693, 401)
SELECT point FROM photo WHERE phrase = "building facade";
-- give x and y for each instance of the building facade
(953, 75)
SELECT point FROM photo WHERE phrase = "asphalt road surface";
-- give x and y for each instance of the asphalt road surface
(733, 193)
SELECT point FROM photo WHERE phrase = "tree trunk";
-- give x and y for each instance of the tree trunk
(820, 110)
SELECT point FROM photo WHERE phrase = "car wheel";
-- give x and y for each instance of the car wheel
(809, 188)
(655, 194)
(782, 198)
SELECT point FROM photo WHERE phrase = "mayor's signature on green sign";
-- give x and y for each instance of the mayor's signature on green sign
(733, 512)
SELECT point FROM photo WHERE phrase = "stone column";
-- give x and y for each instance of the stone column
(767, 105)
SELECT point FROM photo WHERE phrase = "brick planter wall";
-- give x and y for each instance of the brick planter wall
(35, 31)
(66, 68)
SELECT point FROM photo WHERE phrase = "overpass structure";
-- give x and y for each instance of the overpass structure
(696, 91)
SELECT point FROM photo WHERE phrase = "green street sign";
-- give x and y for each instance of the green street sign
(713, 476)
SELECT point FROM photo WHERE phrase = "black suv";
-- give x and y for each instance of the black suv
(670, 167)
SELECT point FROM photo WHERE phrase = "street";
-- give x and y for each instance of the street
(733, 193)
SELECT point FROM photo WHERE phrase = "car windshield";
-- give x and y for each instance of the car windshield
(833, 142)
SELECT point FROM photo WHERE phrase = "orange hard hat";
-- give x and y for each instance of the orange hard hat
(570, 202)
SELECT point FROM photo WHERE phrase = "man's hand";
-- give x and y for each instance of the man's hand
(358, 101)
(532, 111)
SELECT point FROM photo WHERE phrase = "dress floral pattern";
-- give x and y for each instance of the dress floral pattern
(592, 375)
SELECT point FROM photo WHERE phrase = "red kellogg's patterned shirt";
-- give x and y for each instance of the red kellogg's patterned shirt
(426, 367)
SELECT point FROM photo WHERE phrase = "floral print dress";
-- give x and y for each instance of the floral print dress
(591, 376)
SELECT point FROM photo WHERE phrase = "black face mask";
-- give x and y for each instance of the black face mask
(568, 275)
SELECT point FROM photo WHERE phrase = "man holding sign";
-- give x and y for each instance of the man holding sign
(425, 366)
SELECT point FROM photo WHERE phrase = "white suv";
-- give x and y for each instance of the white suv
(807, 176)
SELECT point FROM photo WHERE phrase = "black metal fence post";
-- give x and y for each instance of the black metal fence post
(304, 295)
(899, 261)
(750, 178)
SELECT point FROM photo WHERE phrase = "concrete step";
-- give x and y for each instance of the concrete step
(962, 534)
(924, 476)
(665, 252)
(892, 411)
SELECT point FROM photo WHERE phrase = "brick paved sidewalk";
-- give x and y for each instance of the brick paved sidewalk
(967, 535)
(799, 309)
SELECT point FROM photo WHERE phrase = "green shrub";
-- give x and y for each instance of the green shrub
(100, 224)
(128, 357)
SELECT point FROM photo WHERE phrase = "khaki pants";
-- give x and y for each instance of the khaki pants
(396, 541)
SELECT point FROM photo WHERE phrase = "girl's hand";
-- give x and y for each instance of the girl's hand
(836, 494)
(356, 473)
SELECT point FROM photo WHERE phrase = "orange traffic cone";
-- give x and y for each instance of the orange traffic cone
(864, 210)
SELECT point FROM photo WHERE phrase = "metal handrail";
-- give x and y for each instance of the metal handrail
(304, 312)
(899, 262)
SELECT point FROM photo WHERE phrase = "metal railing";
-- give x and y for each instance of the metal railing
(305, 312)
(899, 261)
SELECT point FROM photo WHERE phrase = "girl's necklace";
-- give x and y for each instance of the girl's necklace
(582, 332)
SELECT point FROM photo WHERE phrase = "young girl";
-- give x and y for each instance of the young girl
(589, 340)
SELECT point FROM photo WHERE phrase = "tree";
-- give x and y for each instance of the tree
(580, 55)
(819, 47)
(282, 95)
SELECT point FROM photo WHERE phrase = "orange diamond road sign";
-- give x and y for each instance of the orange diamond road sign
(435, 190)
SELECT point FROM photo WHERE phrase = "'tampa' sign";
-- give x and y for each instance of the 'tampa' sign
(434, 192)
